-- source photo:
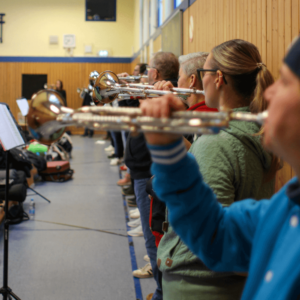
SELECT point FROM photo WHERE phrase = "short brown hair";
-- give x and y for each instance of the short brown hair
(167, 64)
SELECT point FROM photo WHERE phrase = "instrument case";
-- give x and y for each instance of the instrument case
(58, 171)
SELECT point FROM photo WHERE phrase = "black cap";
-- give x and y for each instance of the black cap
(292, 59)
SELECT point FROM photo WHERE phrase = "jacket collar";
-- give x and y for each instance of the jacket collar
(293, 191)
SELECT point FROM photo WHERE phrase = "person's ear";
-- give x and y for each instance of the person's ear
(193, 80)
(219, 81)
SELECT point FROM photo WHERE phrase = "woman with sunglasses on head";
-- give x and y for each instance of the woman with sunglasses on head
(233, 163)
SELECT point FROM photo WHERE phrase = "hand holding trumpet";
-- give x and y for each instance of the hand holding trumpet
(161, 108)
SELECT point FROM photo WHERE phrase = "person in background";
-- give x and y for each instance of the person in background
(163, 66)
(87, 101)
(232, 162)
(61, 91)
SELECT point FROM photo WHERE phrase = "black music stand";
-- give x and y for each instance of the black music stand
(10, 138)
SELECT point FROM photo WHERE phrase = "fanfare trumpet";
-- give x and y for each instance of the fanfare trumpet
(107, 88)
(49, 86)
(133, 78)
(47, 119)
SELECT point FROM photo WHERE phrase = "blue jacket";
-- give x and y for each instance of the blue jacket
(258, 237)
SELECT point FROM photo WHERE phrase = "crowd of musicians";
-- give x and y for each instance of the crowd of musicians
(226, 234)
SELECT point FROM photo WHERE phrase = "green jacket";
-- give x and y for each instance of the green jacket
(233, 163)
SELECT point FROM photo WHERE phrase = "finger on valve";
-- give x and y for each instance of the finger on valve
(124, 74)
(162, 107)
(167, 86)
(159, 84)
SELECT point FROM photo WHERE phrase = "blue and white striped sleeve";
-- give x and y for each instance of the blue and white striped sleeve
(168, 155)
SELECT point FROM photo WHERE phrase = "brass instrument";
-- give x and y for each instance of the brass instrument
(107, 88)
(47, 119)
(133, 78)
(49, 86)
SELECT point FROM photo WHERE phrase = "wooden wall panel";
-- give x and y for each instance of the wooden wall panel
(269, 24)
(73, 75)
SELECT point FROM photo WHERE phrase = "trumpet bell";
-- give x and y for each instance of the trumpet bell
(44, 108)
(105, 91)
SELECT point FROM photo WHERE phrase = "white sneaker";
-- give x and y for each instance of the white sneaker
(115, 161)
(109, 148)
(144, 272)
(135, 215)
(133, 211)
(136, 231)
(134, 223)
(146, 258)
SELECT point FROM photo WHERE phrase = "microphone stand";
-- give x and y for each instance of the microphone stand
(6, 291)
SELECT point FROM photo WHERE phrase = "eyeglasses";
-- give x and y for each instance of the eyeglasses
(201, 73)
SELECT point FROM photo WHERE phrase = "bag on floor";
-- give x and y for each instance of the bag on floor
(56, 153)
(57, 171)
(66, 143)
(16, 214)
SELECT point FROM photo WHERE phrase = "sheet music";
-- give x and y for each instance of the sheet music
(10, 136)
(23, 106)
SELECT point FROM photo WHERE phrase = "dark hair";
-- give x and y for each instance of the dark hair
(61, 84)
(241, 62)
(143, 68)
(167, 64)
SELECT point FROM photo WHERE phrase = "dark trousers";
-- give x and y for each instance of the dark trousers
(118, 143)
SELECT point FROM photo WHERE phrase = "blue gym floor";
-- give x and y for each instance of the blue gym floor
(64, 254)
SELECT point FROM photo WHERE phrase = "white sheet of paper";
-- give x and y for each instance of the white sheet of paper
(10, 136)
(24, 106)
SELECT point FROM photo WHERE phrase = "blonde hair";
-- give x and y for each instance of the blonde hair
(241, 62)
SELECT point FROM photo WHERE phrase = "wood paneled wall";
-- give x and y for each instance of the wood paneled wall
(269, 24)
(73, 75)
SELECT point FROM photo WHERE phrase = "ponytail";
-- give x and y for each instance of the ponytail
(263, 80)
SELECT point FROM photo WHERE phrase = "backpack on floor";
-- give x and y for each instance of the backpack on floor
(16, 214)
(57, 171)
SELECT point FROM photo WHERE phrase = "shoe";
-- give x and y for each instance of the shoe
(134, 223)
(125, 181)
(144, 272)
(136, 231)
(146, 258)
(132, 204)
(109, 148)
(128, 191)
(131, 201)
(135, 215)
(123, 168)
(84, 135)
(133, 211)
(149, 297)
(115, 161)
(111, 156)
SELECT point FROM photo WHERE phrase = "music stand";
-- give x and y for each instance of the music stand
(10, 138)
